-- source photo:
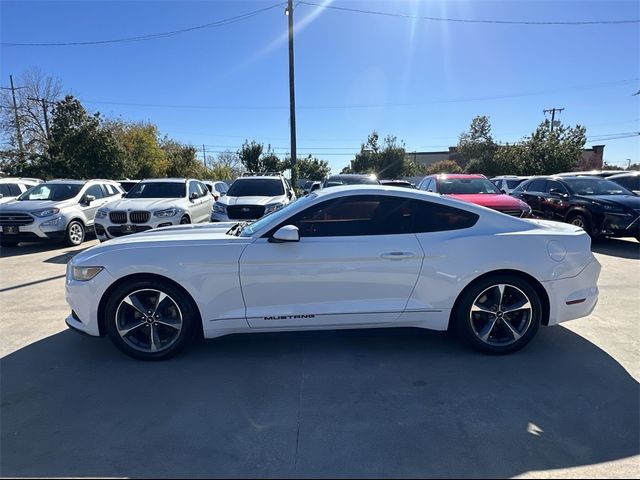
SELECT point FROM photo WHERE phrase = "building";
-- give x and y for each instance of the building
(591, 158)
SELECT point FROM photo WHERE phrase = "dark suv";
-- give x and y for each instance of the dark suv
(600, 206)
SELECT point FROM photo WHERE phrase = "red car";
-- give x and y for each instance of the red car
(475, 189)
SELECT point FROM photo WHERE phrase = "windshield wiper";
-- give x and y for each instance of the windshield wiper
(238, 228)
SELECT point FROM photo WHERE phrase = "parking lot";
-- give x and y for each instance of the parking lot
(383, 403)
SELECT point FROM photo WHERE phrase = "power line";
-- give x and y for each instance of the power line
(154, 36)
(364, 106)
(462, 20)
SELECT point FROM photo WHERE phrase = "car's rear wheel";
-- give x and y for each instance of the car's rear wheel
(75, 234)
(149, 319)
(499, 314)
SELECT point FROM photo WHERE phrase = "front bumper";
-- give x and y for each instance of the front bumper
(620, 225)
(84, 299)
(41, 229)
(106, 230)
(574, 297)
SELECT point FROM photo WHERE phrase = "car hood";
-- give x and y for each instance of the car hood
(144, 203)
(34, 205)
(629, 201)
(5, 200)
(178, 236)
(490, 200)
(227, 200)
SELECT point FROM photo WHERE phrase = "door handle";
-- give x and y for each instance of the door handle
(397, 255)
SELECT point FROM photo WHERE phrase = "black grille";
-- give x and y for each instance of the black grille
(118, 217)
(13, 219)
(139, 217)
(245, 212)
(99, 229)
(117, 231)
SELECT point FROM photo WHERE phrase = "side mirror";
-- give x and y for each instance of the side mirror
(288, 233)
(193, 195)
(87, 199)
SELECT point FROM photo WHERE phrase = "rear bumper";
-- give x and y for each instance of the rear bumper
(575, 297)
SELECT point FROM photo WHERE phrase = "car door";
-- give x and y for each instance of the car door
(205, 202)
(555, 203)
(89, 209)
(353, 265)
(532, 194)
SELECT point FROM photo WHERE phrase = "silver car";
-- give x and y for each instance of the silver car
(62, 210)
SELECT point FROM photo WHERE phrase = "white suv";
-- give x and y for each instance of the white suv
(10, 188)
(56, 210)
(252, 196)
(508, 183)
(155, 203)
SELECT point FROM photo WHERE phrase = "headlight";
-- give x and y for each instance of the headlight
(82, 274)
(101, 213)
(273, 207)
(169, 212)
(219, 208)
(47, 212)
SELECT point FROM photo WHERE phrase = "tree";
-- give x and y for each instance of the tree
(80, 147)
(34, 86)
(477, 148)
(444, 166)
(386, 161)
(230, 160)
(310, 168)
(250, 154)
(182, 160)
(546, 151)
(145, 157)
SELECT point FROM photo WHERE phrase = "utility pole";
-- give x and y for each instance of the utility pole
(292, 98)
(43, 102)
(204, 155)
(553, 111)
(15, 110)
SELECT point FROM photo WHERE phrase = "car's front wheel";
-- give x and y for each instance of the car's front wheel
(498, 314)
(150, 319)
(75, 233)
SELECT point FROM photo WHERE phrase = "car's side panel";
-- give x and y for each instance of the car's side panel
(454, 259)
(327, 281)
(207, 271)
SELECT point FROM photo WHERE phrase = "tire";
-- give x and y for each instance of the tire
(580, 220)
(486, 326)
(8, 243)
(131, 329)
(75, 234)
(185, 220)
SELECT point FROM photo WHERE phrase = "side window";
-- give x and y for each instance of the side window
(553, 185)
(221, 187)
(376, 215)
(4, 190)
(193, 189)
(110, 189)
(536, 186)
(95, 190)
(14, 189)
(431, 186)
(423, 184)
(203, 189)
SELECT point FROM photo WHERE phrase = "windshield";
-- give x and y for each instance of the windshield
(157, 190)
(351, 180)
(52, 191)
(595, 186)
(256, 187)
(466, 186)
(275, 217)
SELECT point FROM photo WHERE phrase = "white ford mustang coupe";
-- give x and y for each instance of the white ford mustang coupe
(344, 257)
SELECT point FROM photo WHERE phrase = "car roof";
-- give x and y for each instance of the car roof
(260, 177)
(165, 180)
(625, 174)
(457, 175)
(20, 179)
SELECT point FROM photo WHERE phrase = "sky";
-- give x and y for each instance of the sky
(418, 79)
